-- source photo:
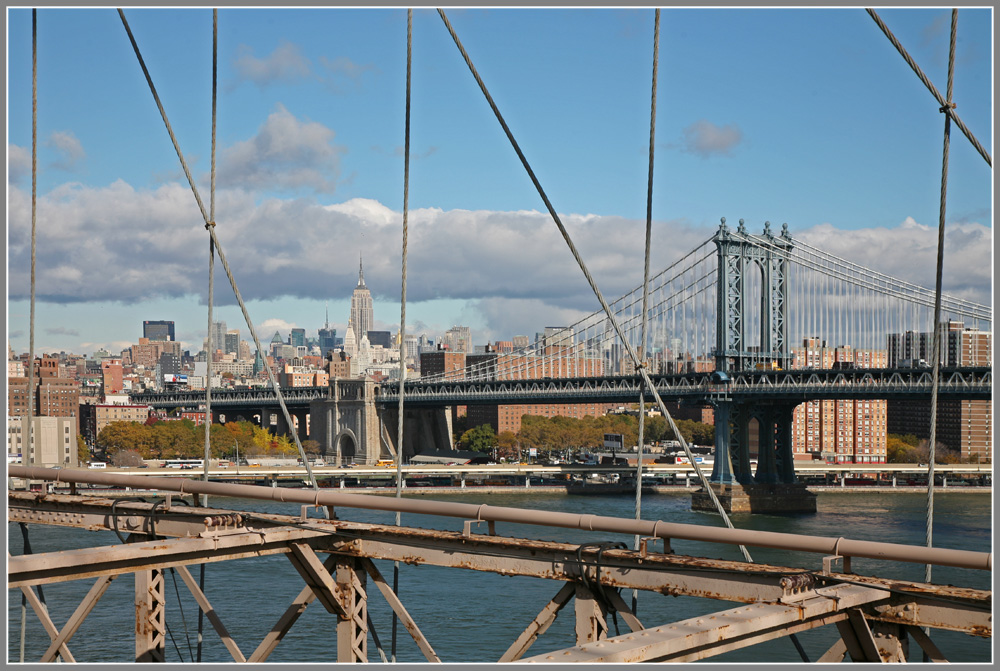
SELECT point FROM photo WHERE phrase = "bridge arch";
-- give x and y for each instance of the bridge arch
(345, 446)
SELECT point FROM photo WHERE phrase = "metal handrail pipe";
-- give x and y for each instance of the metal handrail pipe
(481, 512)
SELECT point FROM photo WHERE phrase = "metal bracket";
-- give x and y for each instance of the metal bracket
(645, 541)
(304, 511)
(467, 527)
(828, 562)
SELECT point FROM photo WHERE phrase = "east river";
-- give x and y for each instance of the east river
(470, 616)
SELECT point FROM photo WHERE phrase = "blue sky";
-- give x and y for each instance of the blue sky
(804, 116)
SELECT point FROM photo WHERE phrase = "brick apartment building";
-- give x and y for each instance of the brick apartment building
(964, 426)
(848, 431)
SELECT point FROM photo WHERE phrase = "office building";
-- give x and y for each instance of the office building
(51, 444)
(158, 330)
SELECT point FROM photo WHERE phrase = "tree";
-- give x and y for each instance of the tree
(311, 446)
(478, 439)
(82, 451)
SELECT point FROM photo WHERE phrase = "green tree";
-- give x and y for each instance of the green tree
(82, 451)
(479, 439)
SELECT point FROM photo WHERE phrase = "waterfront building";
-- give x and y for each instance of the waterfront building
(52, 442)
(844, 431)
(965, 426)
(94, 417)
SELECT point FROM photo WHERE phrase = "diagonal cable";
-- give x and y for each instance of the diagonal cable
(947, 106)
(586, 273)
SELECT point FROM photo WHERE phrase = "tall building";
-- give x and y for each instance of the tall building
(458, 339)
(219, 331)
(383, 338)
(158, 330)
(327, 337)
(112, 376)
(965, 426)
(845, 431)
(362, 310)
(232, 342)
(297, 337)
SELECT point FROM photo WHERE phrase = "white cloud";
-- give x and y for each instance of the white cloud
(68, 149)
(285, 64)
(512, 270)
(18, 164)
(286, 153)
(706, 139)
(342, 70)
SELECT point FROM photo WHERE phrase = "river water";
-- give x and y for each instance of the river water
(470, 616)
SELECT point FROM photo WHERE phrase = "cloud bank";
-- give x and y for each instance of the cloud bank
(122, 244)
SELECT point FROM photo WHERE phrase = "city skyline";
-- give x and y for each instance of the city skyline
(311, 134)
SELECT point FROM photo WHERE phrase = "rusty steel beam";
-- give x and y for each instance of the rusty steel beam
(401, 612)
(935, 606)
(78, 616)
(540, 624)
(44, 568)
(709, 635)
(817, 544)
(50, 628)
(213, 617)
(317, 577)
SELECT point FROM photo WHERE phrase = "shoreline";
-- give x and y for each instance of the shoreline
(555, 490)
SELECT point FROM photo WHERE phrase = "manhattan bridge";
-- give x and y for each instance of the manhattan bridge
(724, 324)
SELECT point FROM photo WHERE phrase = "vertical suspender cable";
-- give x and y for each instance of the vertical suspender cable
(645, 284)
(936, 336)
(30, 396)
(211, 268)
(402, 308)
(211, 286)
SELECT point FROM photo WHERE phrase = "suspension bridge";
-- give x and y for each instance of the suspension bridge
(727, 321)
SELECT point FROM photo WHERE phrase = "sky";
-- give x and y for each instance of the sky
(801, 116)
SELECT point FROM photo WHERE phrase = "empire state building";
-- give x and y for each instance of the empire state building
(362, 312)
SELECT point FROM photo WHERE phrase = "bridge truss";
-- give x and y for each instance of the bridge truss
(874, 617)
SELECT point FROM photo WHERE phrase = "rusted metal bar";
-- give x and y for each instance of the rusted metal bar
(400, 611)
(823, 545)
(352, 629)
(78, 616)
(591, 616)
(864, 643)
(926, 644)
(540, 624)
(50, 628)
(835, 654)
(709, 635)
(288, 618)
(318, 578)
(213, 617)
(150, 616)
(618, 603)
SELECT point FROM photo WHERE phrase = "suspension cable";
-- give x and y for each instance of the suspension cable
(31, 321)
(211, 266)
(590, 280)
(946, 105)
(222, 257)
(645, 282)
(402, 312)
(936, 336)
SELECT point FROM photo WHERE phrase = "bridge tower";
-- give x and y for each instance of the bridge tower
(745, 263)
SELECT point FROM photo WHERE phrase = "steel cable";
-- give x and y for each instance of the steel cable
(947, 106)
(590, 280)
(936, 337)
(402, 312)
(645, 279)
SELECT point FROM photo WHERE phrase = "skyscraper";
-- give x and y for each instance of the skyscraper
(362, 311)
(219, 336)
(158, 330)
(297, 337)
(327, 336)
